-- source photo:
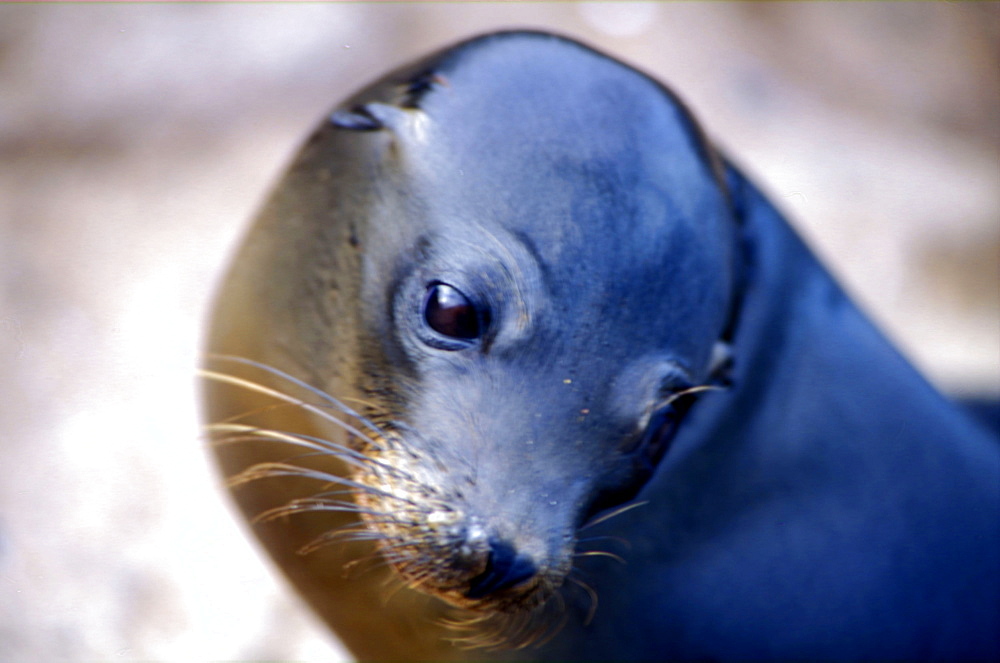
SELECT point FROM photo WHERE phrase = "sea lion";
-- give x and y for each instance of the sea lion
(511, 332)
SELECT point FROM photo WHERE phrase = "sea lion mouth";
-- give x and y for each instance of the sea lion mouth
(505, 569)
(504, 597)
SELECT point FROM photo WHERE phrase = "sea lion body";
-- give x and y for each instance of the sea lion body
(518, 263)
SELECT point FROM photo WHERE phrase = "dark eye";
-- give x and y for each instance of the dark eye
(450, 313)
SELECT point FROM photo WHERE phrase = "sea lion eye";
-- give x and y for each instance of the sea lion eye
(450, 313)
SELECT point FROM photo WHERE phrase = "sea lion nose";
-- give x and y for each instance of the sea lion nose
(505, 568)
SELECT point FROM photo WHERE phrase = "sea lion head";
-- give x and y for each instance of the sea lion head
(515, 258)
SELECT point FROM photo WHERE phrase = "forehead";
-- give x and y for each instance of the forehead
(546, 138)
(540, 99)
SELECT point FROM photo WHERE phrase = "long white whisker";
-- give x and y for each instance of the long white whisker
(243, 432)
(611, 514)
(269, 470)
(319, 411)
(340, 405)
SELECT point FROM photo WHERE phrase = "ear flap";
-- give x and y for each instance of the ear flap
(756, 220)
(744, 201)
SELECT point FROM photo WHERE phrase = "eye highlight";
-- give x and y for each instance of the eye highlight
(450, 313)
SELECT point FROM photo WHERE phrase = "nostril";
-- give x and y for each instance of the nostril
(505, 568)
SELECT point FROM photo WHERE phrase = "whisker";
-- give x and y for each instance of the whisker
(308, 505)
(508, 630)
(391, 588)
(264, 409)
(271, 469)
(348, 533)
(310, 407)
(687, 392)
(593, 598)
(234, 433)
(611, 514)
(462, 620)
(296, 381)
(553, 630)
(601, 553)
(345, 453)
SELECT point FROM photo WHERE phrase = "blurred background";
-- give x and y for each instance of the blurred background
(137, 140)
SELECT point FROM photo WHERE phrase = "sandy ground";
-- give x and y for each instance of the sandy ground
(137, 140)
